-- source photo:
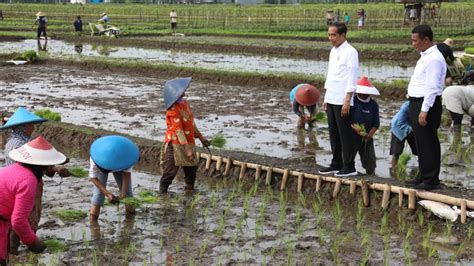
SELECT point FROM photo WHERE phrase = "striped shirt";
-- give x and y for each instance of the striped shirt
(17, 139)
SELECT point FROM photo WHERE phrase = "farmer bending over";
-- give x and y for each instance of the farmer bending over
(116, 155)
(22, 124)
(401, 132)
(179, 148)
(18, 186)
(301, 97)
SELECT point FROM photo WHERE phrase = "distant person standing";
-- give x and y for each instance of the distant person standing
(78, 25)
(413, 15)
(340, 86)
(424, 91)
(173, 21)
(347, 19)
(361, 14)
(42, 23)
(1, 14)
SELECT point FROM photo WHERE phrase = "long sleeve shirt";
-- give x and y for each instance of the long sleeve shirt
(17, 139)
(401, 125)
(366, 113)
(427, 80)
(180, 124)
(342, 73)
(18, 189)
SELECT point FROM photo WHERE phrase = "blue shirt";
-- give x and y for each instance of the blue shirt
(366, 113)
(401, 126)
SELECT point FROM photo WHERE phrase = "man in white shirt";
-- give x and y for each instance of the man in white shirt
(424, 91)
(340, 86)
(173, 20)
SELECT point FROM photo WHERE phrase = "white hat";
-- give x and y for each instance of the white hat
(40, 14)
(449, 42)
(365, 87)
(103, 14)
(37, 152)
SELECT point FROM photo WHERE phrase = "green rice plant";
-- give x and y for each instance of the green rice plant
(78, 172)
(360, 215)
(402, 225)
(360, 128)
(290, 253)
(319, 117)
(218, 141)
(367, 255)
(282, 210)
(48, 114)
(407, 243)
(421, 218)
(147, 196)
(469, 50)
(384, 224)
(30, 56)
(427, 236)
(449, 229)
(203, 248)
(337, 215)
(402, 163)
(131, 201)
(469, 232)
(55, 245)
(70, 215)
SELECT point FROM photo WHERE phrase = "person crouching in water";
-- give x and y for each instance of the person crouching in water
(22, 124)
(111, 154)
(179, 148)
(18, 185)
(365, 122)
(301, 97)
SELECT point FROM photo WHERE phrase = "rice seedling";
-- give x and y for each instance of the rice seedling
(218, 141)
(282, 210)
(319, 117)
(48, 114)
(78, 172)
(290, 252)
(407, 243)
(360, 128)
(367, 255)
(30, 56)
(402, 163)
(337, 215)
(402, 225)
(203, 248)
(70, 215)
(449, 229)
(131, 201)
(360, 215)
(55, 245)
(147, 196)
(317, 211)
(421, 218)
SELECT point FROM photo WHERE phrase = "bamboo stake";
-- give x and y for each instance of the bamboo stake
(365, 193)
(353, 187)
(219, 163)
(337, 188)
(243, 168)
(400, 198)
(463, 211)
(268, 178)
(300, 182)
(284, 179)
(258, 172)
(411, 199)
(318, 184)
(198, 155)
(386, 197)
(227, 166)
(208, 161)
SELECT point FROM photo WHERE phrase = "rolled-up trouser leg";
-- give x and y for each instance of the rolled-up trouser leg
(169, 169)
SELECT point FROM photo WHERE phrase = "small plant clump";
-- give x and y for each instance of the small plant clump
(70, 215)
(218, 141)
(55, 245)
(131, 201)
(30, 56)
(319, 117)
(78, 172)
(469, 50)
(360, 128)
(48, 114)
(147, 196)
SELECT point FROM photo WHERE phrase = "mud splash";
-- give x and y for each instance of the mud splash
(255, 64)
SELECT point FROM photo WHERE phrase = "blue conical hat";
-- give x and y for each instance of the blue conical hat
(174, 89)
(114, 153)
(22, 117)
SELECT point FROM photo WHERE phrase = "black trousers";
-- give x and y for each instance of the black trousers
(342, 138)
(397, 146)
(170, 170)
(366, 151)
(426, 138)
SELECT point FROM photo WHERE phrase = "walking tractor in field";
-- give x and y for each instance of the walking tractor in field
(107, 30)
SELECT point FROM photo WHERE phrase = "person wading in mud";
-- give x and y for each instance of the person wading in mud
(22, 124)
(42, 23)
(117, 155)
(424, 91)
(18, 186)
(340, 85)
(179, 148)
(301, 97)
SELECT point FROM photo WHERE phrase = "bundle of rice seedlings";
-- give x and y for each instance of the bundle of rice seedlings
(131, 201)
(361, 128)
(70, 215)
(55, 245)
(78, 172)
(319, 117)
(48, 114)
(218, 141)
(147, 196)
(30, 56)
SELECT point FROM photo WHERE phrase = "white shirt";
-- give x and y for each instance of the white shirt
(428, 77)
(94, 171)
(173, 17)
(342, 73)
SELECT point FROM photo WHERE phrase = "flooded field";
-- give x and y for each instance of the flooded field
(227, 223)
(254, 64)
(252, 120)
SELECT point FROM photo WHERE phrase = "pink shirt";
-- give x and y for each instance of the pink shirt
(18, 189)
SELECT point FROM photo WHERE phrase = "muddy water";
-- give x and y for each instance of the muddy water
(227, 223)
(55, 48)
(251, 120)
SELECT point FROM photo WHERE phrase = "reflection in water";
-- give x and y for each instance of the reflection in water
(42, 48)
(312, 145)
(78, 48)
(104, 49)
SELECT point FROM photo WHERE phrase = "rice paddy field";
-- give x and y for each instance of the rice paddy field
(244, 61)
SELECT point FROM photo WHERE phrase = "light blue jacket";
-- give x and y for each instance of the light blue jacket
(401, 125)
